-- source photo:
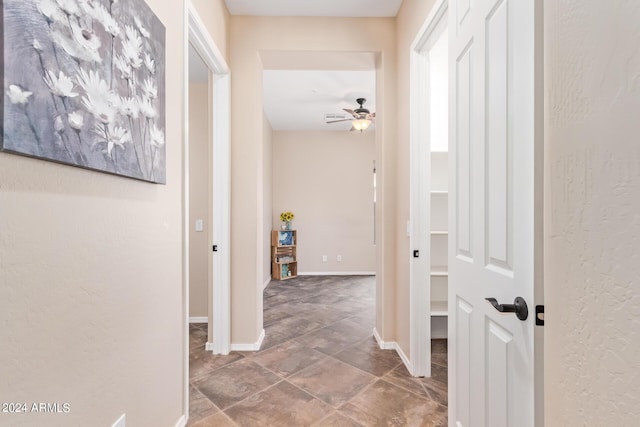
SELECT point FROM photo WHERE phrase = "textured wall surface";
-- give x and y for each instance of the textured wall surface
(199, 200)
(267, 185)
(326, 179)
(91, 305)
(592, 214)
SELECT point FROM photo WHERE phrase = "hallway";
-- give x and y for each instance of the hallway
(319, 365)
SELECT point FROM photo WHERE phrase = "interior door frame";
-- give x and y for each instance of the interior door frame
(196, 34)
(420, 187)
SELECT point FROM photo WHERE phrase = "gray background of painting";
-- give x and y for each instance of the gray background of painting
(22, 23)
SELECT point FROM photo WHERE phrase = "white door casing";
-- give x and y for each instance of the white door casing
(420, 186)
(198, 36)
(495, 206)
(220, 107)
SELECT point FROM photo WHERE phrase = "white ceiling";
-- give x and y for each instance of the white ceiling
(299, 88)
(355, 8)
(299, 99)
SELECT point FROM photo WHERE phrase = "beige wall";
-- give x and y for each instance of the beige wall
(199, 200)
(267, 188)
(91, 276)
(326, 180)
(91, 294)
(410, 18)
(215, 15)
(249, 36)
(592, 226)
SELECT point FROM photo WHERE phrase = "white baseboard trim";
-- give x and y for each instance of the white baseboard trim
(405, 359)
(266, 283)
(338, 273)
(208, 346)
(392, 345)
(382, 344)
(182, 422)
(249, 347)
(198, 320)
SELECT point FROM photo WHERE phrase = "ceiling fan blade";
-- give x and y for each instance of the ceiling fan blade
(352, 129)
(342, 120)
(350, 112)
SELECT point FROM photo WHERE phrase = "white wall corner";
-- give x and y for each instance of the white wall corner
(198, 319)
(266, 283)
(182, 421)
(249, 347)
(405, 359)
(382, 344)
(260, 340)
(209, 346)
(392, 345)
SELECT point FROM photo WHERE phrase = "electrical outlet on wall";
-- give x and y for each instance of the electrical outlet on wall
(324, 258)
(339, 258)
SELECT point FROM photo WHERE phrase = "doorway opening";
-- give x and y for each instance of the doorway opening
(429, 189)
(320, 171)
(215, 131)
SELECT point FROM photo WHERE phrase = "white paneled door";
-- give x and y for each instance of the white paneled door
(495, 207)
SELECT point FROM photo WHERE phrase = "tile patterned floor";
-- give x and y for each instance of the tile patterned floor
(319, 366)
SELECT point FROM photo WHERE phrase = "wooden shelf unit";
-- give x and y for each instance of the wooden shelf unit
(284, 254)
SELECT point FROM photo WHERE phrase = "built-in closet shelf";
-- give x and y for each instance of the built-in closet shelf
(439, 242)
(439, 308)
(439, 271)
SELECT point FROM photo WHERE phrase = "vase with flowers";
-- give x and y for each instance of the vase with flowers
(286, 218)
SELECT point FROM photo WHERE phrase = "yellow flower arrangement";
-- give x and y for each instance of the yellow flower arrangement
(286, 216)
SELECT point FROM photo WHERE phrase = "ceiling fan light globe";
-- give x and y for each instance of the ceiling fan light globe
(361, 124)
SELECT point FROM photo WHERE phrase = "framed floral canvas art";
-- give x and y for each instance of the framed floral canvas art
(84, 84)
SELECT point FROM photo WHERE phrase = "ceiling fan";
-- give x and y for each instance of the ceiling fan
(361, 119)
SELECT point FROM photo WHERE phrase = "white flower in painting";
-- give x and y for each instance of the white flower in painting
(81, 51)
(58, 125)
(85, 38)
(147, 109)
(86, 8)
(50, 10)
(36, 45)
(112, 135)
(129, 107)
(150, 63)
(142, 30)
(61, 85)
(76, 120)
(99, 99)
(132, 47)
(150, 88)
(70, 7)
(17, 95)
(157, 136)
(119, 136)
(102, 15)
(123, 66)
